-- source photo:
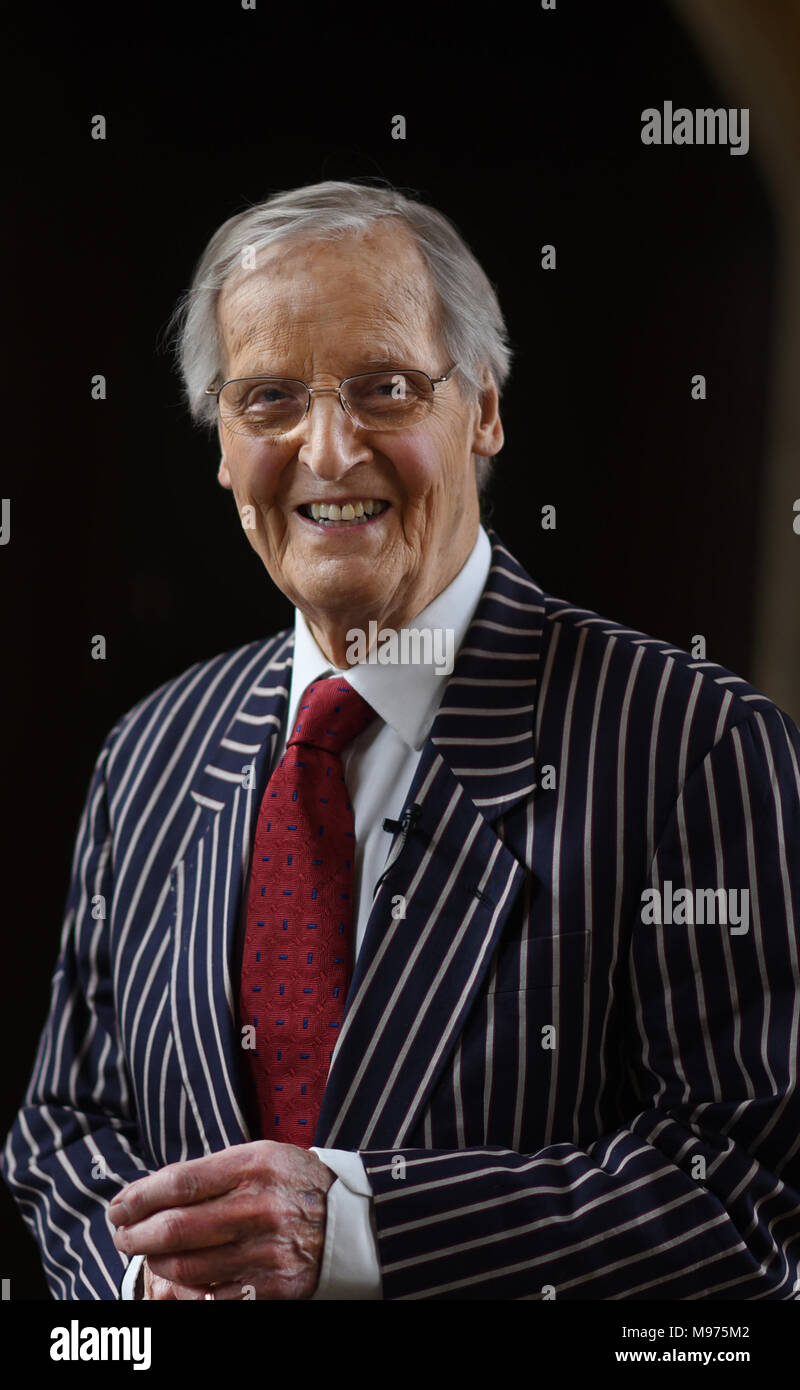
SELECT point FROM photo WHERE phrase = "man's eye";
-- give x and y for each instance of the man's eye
(266, 395)
(388, 387)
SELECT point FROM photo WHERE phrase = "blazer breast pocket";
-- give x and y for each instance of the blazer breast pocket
(559, 961)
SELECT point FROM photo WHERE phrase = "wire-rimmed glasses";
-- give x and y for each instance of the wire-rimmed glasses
(269, 406)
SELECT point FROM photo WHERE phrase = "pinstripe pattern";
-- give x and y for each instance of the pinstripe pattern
(525, 1166)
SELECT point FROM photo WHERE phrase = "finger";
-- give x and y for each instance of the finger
(156, 1288)
(225, 1220)
(178, 1184)
(161, 1291)
(191, 1293)
(263, 1285)
(222, 1264)
(227, 1293)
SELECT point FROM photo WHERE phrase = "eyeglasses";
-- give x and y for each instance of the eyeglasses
(270, 406)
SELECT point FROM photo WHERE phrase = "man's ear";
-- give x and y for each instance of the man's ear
(223, 472)
(488, 438)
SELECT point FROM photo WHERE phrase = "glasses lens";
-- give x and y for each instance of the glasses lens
(389, 400)
(262, 405)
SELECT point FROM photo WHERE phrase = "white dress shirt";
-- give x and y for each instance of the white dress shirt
(379, 766)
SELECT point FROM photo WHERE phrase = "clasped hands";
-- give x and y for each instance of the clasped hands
(250, 1220)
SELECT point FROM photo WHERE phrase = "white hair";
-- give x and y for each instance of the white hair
(465, 310)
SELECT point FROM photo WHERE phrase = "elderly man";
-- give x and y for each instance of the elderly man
(384, 980)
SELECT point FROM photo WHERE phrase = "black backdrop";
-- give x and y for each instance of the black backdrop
(524, 130)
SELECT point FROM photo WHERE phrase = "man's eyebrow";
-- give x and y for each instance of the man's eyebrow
(374, 362)
(387, 359)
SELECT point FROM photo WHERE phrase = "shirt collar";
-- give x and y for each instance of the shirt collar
(405, 696)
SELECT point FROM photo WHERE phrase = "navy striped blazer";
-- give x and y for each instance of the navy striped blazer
(552, 1096)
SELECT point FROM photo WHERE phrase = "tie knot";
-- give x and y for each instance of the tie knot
(331, 714)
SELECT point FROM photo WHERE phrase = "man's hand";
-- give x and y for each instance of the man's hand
(250, 1220)
(155, 1288)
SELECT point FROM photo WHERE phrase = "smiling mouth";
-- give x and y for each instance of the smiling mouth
(352, 513)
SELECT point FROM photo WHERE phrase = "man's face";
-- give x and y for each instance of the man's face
(321, 311)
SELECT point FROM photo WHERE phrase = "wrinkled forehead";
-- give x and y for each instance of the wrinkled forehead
(375, 285)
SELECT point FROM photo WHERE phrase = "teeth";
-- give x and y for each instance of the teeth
(347, 514)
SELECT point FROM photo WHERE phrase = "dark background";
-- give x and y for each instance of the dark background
(524, 129)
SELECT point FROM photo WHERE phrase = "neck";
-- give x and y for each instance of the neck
(341, 641)
(331, 629)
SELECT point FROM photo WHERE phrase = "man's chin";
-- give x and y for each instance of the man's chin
(338, 594)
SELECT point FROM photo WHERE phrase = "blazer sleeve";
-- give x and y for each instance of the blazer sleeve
(75, 1141)
(698, 1194)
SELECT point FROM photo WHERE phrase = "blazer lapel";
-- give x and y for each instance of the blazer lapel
(440, 911)
(206, 891)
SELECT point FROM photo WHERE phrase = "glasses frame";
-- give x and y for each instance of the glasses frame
(335, 391)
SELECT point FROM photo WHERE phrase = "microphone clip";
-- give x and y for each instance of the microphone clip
(404, 826)
(407, 821)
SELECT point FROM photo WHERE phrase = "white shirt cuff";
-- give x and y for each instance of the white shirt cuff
(128, 1289)
(350, 1268)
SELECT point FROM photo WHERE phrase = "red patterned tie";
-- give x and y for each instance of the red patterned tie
(298, 942)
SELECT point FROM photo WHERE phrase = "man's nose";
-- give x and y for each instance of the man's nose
(331, 442)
